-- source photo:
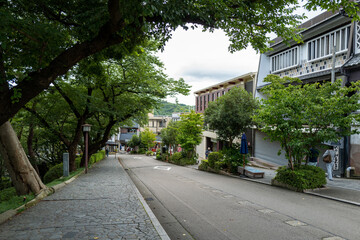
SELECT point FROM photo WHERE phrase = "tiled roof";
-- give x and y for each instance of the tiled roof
(354, 61)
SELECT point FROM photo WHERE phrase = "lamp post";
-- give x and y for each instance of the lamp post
(86, 129)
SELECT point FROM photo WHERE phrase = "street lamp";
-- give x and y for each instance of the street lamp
(86, 129)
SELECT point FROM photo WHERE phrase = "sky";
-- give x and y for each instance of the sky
(202, 59)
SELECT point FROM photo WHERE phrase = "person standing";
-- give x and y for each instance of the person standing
(107, 151)
(329, 165)
(313, 157)
(207, 152)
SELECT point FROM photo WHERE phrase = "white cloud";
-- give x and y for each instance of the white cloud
(202, 59)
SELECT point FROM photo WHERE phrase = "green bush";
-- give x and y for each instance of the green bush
(54, 173)
(303, 177)
(6, 183)
(214, 157)
(165, 156)
(7, 193)
(78, 161)
(141, 151)
(158, 156)
(233, 158)
(204, 165)
(149, 153)
(175, 158)
(187, 161)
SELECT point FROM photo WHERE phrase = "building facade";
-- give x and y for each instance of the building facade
(331, 44)
(210, 94)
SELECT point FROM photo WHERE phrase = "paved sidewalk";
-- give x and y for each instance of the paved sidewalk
(341, 189)
(103, 204)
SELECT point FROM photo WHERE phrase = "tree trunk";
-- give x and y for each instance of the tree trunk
(23, 175)
(72, 157)
(31, 152)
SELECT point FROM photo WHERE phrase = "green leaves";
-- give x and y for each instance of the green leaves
(189, 131)
(301, 116)
(147, 138)
(231, 114)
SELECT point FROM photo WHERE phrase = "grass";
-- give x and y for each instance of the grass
(63, 179)
(9, 199)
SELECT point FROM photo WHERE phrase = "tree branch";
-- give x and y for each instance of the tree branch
(68, 100)
(47, 125)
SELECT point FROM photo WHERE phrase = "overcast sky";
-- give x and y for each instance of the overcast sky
(203, 59)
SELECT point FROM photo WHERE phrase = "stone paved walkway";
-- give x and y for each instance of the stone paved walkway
(102, 204)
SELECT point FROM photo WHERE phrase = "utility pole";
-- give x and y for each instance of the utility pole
(333, 59)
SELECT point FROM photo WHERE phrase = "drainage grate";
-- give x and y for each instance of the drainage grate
(149, 199)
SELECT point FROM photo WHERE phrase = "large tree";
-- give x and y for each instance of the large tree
(230, 115)
(301, 116)
(104, 94)
(42, 39)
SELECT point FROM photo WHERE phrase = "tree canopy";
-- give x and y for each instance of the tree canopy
(231, 114)
(301, 116)
(189, 132)
(41, 40)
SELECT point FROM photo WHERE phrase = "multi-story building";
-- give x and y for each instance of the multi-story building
(313, 61)
(211, 93)
(126, 133)
(156, 124)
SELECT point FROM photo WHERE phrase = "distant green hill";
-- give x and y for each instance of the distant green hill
(166, 108)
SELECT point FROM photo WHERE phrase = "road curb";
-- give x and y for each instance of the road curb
(305, 191)
(160, 230)
(331, 198)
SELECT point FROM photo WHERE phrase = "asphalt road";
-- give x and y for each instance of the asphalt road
(192, 204)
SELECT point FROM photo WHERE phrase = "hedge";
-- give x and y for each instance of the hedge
(214, 157)
(304, 177)
(56, 171)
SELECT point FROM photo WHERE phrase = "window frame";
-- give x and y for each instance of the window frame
(314, 48)
(285, 60)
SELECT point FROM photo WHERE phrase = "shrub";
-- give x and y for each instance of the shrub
(7, 193)
(78, 161)
(158, 156)
(175, 158)
(233, 158)
(5, 183)
(204, 165)
(187, 161)
(303, 177)
(214, 157)
(54, 173)
(165, 156)
(149, 153)
(142, 151)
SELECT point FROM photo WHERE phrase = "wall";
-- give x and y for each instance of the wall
(355, 152)
(266, 150)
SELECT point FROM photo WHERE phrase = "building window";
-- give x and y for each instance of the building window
(322, 46)
(213, 96)
(357, 49)
(197, 104)
(286, 59)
